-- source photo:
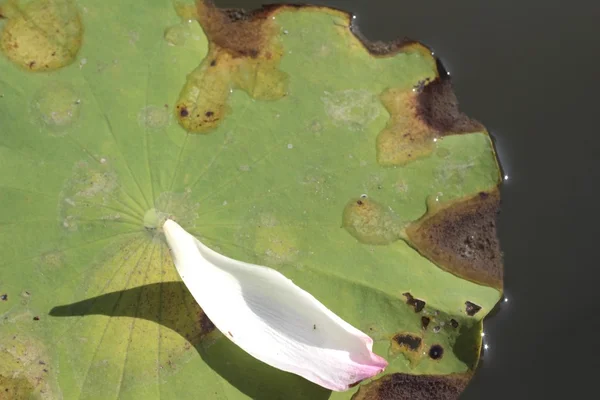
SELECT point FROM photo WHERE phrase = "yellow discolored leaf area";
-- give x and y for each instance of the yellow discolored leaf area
(42, 35)
(370, 222)
(25, 370)
(117, 340)
(243, 54)
(418, 117)
(406, 137)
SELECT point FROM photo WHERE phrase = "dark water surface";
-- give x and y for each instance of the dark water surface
(529, 70)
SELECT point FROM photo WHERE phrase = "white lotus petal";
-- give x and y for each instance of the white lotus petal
(271, 318)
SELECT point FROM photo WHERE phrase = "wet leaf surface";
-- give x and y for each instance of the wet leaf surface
(277, 160)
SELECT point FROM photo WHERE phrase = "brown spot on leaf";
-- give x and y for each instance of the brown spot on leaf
(437, 107)
(419, 86)
(414, 387)
(425, 322)
(416, 303)
(471, 308)
(206, 325)
(409, 345)
(4, 297)
(36, 318)
(460, 237)
(454, 323)
(408, 341)
(183, 112)
(436, 352)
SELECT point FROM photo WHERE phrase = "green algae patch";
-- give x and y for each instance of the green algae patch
(300, 164)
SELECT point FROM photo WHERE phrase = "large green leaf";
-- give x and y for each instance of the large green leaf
(280, 139)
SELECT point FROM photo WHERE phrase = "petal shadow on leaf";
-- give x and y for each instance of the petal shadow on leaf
(178, 311)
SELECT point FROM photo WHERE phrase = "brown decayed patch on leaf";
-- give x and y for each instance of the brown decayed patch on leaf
(375, 48)
(413, 387)
(471, 308)
(437, 107)
(416, 303)
(460, 237)
(243, 54)
(386, 49)
(407, 344)
(41, 35)
(407, 341)
(417, 117)
(237, 31)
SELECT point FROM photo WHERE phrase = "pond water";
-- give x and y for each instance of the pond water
(528, 72)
